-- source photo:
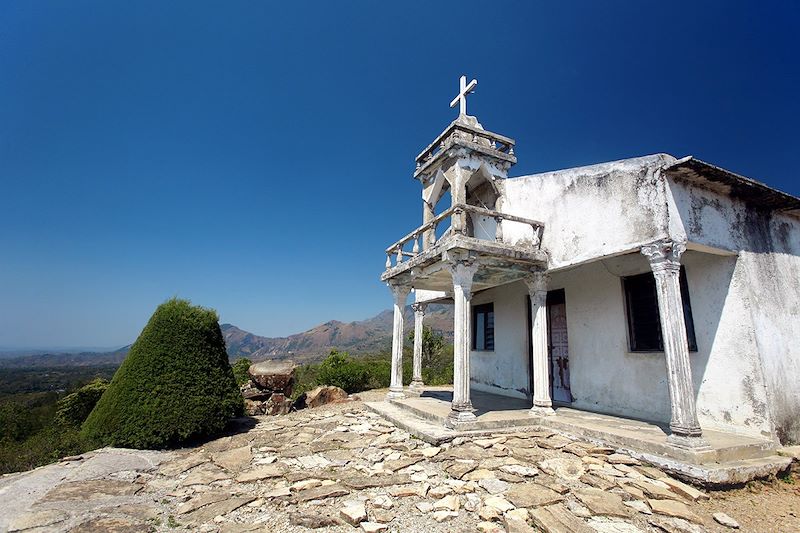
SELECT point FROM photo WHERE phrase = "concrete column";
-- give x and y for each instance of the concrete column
(419, 315)
(428, 236)
(400, 293)
(540, 360)
(665, 263)
(462, 272)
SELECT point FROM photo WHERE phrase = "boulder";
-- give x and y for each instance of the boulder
(322, 395)
(278, 404)
(253, 393)
(275, 376)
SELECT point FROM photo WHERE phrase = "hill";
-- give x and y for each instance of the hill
(365, 336)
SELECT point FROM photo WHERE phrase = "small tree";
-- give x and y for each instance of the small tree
(175, 384)
(339, 370)
(432, 344)
(240, 368)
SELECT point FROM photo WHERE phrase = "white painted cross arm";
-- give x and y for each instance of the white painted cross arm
(462, 94)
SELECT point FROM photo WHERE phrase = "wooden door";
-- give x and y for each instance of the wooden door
(558, 346)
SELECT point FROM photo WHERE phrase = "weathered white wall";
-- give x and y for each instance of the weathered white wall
(505, 370)
(767, 274)
(605, 376)
(590, 212)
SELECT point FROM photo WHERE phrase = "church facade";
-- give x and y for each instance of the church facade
(655, 288)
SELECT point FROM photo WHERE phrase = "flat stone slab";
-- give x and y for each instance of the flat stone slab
(320, 493)
(532, 495)
(601, 502)
(262, 472)
(91, 490)
(37, 519)
(557, 519)
(209, 512)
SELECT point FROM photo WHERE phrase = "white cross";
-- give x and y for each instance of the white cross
(462, 95)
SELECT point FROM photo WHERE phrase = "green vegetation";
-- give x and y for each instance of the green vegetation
(356, 374)
(175, 385)
(240, 368)
(73, 409)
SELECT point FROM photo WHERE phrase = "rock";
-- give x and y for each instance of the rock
(682, 489)
(440, 492)
(675, 525)
(554, 442)
(471, 502)
(520, 470)
(557, 519)
(254, 408)
(206, 498)
(602, 502)
(649, 471)
(91, 490)
(498, 503)
(278, 404)
(563, 467)
(725, 520)
(369, 482)
(532, 495)
(318, 396)
(449, 503)
(382, 502)
(461, 468)
(253, 393)
(490, 527)
(517, 514)
(493, 486)
(478, 474)
(107, 524)
(608, 525)
(654, 489)
(639, 505)
(382, 515)
(675, 509)
(430, 452)
(441, 516)
(312, 519)
(209, 512)
(424, 507)
(319, 493)
(262, 472)
(235, 459)
(373, 527)
(278, 492)
(275, 376)
(205, 474)
(514, 525)
(621, 458)
(37, 519)
(401, 491)
(353, 513)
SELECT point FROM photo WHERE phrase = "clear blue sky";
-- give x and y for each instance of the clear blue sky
(256, 157)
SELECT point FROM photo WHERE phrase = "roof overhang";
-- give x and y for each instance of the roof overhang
(726, 182)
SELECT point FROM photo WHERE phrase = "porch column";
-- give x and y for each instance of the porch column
(462, 271)
(537, 289)
(419, 315)
(665, 263)
(400, 293)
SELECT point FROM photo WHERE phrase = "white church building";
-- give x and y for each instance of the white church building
(656, 288)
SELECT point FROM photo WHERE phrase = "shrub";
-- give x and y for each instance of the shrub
(339, 370)
(240, 368)
(72, 410)
(48, 445)
(175, 384)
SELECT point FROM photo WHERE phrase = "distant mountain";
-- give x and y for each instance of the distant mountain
(53, 360)
(365, 336)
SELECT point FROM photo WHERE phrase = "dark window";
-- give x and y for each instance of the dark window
(483, 327)
(644, 322)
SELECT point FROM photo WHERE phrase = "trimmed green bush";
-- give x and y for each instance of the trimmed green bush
(175, 385)
(72, 409)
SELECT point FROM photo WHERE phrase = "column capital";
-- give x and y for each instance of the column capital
(664, 255)
(419, 307)
(399, 291)
(536, 281)
(462, 271)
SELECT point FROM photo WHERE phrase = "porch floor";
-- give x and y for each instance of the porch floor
(425, 416)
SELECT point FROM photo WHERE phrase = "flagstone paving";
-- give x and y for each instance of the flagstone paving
(343, 469)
